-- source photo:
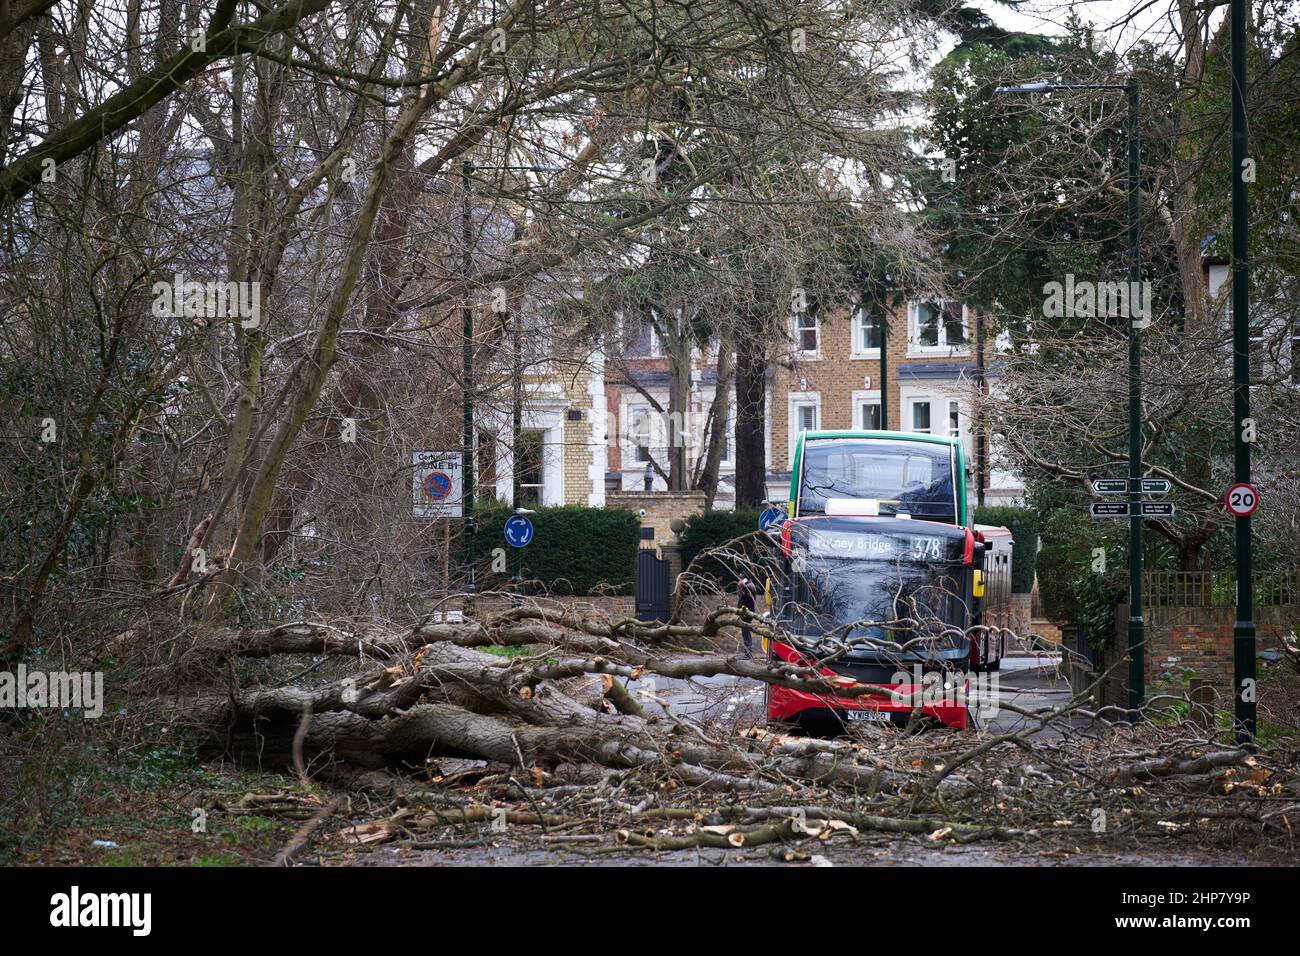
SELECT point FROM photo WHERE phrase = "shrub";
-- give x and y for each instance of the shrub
(711, 529)
(575, 550)
(1023, 525)
(1069, 588)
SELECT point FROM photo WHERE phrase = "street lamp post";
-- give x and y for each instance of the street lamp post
(467, 373)
(981, 450)
(516, 409)
(1136, 620)
(884, 374)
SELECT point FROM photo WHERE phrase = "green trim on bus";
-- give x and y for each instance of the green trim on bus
(959, 462)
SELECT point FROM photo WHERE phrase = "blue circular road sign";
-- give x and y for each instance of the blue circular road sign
(769, 517)
(519, 530)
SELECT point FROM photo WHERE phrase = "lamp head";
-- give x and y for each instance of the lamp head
(1041, 86)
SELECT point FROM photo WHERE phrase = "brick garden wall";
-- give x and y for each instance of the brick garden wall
(1196, 639)
(1022, 614)
(661, 507)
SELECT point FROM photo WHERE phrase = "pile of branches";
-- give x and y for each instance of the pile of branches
(536, 696)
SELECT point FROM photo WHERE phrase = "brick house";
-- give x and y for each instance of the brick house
(831, 378)
(562, 438)
(590, 427)
(638, 431)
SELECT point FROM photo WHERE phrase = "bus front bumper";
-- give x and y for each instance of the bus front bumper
(894, 704)
(795, 706)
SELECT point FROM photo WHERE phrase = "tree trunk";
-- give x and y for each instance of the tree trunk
(717, 437)
(751, 394)
(315, 368)
(678, 345)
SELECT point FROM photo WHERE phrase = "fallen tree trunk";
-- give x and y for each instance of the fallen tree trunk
(402, 700)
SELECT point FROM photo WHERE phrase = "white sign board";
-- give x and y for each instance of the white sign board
(435, 484)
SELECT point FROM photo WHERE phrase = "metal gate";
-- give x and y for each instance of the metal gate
(651, 587)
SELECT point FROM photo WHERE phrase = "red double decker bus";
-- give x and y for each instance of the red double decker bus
(882, 600)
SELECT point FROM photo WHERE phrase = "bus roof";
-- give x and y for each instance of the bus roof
(955, 444)
(899, 436)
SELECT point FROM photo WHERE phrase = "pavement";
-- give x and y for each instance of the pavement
(1030, 682)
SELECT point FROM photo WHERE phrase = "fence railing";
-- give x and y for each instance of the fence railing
(1217, 588)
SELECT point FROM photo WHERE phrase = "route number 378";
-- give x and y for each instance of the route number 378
(930, 549)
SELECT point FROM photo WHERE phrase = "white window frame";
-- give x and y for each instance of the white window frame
(796, 401)
(544, 414)
(537, 339)
(911, 414)
(541, 464)
(865, 397)
(800, 322)
(949, 405)
(630, 442)
(729, 436)
(856, 349)
(940, 399)
(656, 341)
(914, 346)
(658, 428)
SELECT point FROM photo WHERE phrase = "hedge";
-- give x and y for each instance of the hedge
(575, 550)
(710, 529)
(1023, 525)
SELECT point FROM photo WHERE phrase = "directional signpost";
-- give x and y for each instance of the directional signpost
(1119, 486)
(1110, 486)
(1124, 509)
(1133, 488)
(1120, 509)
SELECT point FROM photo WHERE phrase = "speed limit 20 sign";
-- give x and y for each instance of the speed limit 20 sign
(1242, 500)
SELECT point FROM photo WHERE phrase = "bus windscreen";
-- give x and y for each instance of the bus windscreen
(887, 601)
(907, 477)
